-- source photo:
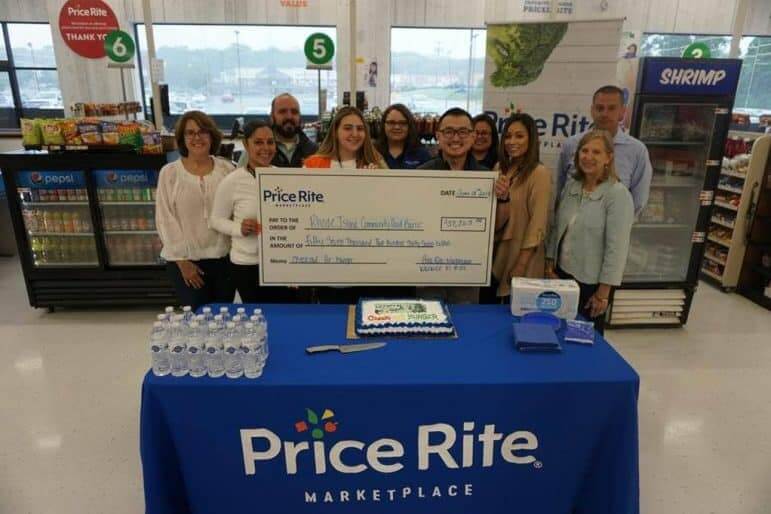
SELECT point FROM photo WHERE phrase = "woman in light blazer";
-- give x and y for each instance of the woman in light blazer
(589, 240)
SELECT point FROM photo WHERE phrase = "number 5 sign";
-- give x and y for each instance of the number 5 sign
(319, 48)
(119, 46)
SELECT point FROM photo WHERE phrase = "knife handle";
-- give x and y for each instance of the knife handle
(322, 348)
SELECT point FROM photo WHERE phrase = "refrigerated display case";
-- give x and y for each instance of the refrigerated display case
(127, 206)
(84, 224)
(681, 114)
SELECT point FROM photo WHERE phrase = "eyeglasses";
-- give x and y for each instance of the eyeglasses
(462, 133)
(190, 134)
(394, 124)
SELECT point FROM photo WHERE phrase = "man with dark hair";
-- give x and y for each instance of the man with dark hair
(455, 137)
(292, 145)
(631, 158)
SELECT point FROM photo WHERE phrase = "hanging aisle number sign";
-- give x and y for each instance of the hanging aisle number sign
(319, 48)
(119, 46)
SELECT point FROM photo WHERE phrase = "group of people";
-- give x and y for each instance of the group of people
(572, 222)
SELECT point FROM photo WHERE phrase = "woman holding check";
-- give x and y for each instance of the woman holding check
(236, 214)
(195, 254)
(589, 240)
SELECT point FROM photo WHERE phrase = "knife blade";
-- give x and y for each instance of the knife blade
(344, 348)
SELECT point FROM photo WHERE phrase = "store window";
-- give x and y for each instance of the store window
(753, 95)
(235, 70)
(29, 83)
(435, 69)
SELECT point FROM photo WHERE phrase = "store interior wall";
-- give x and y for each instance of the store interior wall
(87, 79)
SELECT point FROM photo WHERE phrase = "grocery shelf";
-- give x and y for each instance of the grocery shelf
(53, 204)
(721, 242)
(712, 275)
(126, 203)
(673, 143)
(662, 225)
(728, 173)
(729, 189)
(130, 232)
(143, 263)
(722, 223)
(726, 206)
(676, 182)
(65, 264)
(61, 234)
(713, 259)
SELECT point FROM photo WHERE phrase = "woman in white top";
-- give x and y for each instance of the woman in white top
(236, 214)
(196, 255)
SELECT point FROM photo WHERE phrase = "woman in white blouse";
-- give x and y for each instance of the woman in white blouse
(236, 214)
(196, 255)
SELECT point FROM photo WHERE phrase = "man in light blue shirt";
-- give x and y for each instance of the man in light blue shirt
(632, 161)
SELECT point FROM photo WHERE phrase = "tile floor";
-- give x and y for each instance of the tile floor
(70, 385)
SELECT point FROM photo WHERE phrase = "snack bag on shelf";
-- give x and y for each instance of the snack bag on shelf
(109, 133)
(70, 132)
(31, 134)
(89, 131)
(151, 143)
(128, 134)
(52, 132)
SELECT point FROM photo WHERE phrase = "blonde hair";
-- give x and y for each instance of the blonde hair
(607, 141)
(366, 155)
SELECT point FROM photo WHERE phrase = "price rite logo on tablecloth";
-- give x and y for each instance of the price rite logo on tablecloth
(439, 447)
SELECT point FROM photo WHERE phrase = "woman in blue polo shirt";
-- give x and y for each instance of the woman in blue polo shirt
(398, 142)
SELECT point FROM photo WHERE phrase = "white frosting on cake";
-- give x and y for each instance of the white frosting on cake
(403, 317)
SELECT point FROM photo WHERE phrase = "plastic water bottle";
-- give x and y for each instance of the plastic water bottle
(187, 314)
(237, 319)
(233, 366)
(195, 350)
(159, 350)
(251, 352)
(214, 359)
(241, 311)
(169, 310)
(220, 321)
(262, 336)
(178, 351)
(225, 313)
(202, 323)
(207, 314)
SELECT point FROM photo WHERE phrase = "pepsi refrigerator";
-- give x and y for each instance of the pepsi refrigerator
(682, 114)
(84, 224)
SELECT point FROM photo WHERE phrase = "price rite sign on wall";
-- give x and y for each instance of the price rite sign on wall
(84, 25)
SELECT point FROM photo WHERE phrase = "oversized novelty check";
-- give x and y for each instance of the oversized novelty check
(376, 227)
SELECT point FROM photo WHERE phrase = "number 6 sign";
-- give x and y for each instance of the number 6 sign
(119, 46)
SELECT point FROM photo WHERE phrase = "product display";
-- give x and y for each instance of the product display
(402, 317)
(73, 133)
(742, 167)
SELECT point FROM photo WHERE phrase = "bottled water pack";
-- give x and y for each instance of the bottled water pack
(208, 344)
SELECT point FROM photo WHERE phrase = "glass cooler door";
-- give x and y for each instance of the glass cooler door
(127, 203)
(678, 137)
(57, 218)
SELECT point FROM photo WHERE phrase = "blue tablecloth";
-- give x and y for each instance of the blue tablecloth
(468, 425)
